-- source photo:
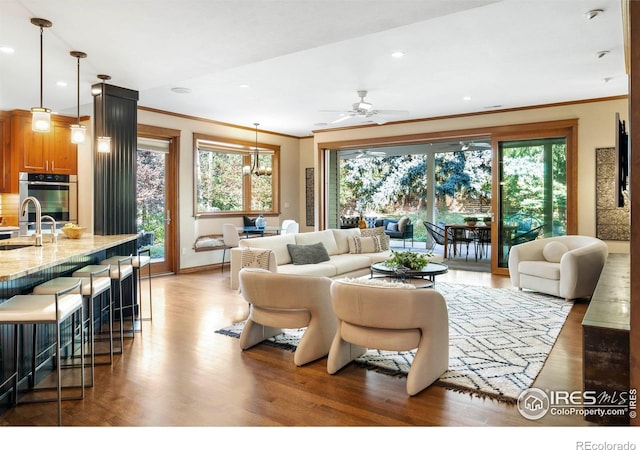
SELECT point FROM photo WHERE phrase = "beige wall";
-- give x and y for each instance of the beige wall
(596, 129)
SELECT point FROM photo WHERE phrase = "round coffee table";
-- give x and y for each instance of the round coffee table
(423, 278)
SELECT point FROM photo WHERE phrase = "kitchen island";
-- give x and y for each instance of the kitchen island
(23, 268)
(21, 262)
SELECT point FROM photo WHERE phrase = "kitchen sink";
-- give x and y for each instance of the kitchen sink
(14, 246)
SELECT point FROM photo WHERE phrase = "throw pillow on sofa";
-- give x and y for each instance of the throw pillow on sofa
(377, 231)
(308, 254)
(392, 226)
(402, 223)
(553, 251)
(248, 221)
(370, 244)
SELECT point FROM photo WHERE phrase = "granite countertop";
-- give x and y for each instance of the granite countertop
(20, 262)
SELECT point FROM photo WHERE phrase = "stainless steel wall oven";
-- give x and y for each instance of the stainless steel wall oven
(57, 194)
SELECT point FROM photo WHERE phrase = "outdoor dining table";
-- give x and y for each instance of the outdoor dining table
(460, 226)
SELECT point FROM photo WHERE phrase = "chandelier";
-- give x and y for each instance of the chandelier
(255, 168)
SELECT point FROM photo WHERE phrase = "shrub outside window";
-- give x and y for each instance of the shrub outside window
(222, 187)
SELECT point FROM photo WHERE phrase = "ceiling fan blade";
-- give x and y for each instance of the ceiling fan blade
(343, 118)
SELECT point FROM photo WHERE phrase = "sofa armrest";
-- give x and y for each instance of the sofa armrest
(580, 270)
(408, 230)
(529, 251)
(236, 265)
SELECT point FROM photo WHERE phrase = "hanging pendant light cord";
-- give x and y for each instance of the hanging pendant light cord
(41, 64)
(78, 92)
(256, 165)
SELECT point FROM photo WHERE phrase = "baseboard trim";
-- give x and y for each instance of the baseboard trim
(199, 268)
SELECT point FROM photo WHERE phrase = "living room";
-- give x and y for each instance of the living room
(595, 130)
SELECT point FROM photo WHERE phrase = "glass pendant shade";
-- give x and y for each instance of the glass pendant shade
(104, 144)
(78, 133)
(40, 120)
(41, 116)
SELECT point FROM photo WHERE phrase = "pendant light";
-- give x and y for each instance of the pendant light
(255, 168)
(41, 116)
(78, 131)
(104, 142)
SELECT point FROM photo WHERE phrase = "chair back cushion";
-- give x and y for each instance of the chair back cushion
(554, 250)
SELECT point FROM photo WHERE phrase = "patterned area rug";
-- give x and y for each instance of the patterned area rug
(499, 340)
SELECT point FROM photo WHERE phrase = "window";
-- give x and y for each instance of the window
(222, 185)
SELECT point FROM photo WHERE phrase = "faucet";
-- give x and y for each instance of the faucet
(54, 236)
(23, 210)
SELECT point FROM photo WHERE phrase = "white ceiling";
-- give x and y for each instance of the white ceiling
(300, 57)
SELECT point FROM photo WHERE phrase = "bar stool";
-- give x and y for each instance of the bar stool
(100, 278)
(91, 288)
(33, 310)
(139, 262)
(121, 270)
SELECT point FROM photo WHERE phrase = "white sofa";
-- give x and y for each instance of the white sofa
(562, 266)
(341, 262)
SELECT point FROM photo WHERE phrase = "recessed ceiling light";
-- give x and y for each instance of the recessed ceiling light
(181, 90)
(466, 98)
(244, 85)
(397, 54)
(6, 49)
(61, 83)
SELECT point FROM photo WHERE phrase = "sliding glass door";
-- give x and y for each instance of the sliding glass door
(532, 196)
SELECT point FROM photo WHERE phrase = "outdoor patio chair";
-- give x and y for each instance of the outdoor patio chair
(437, 235)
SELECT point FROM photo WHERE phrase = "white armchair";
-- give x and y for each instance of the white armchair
(563, 266)
(279, 301)
(395, 319)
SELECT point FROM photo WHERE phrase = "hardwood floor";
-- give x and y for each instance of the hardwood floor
(178, 372)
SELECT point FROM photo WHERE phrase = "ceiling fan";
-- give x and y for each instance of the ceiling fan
(365, 110)
(466, 145)
(369, 153)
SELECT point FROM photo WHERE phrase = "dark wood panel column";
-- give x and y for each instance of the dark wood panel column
(115, 172)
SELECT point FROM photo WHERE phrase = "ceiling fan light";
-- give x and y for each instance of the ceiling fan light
(78, 133)
(40, 119)
(363, 105)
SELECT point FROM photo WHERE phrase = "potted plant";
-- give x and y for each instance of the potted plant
(408, 259)
(470, 220)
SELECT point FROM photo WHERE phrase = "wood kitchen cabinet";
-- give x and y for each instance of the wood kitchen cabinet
(50, 152)
(5, 161)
